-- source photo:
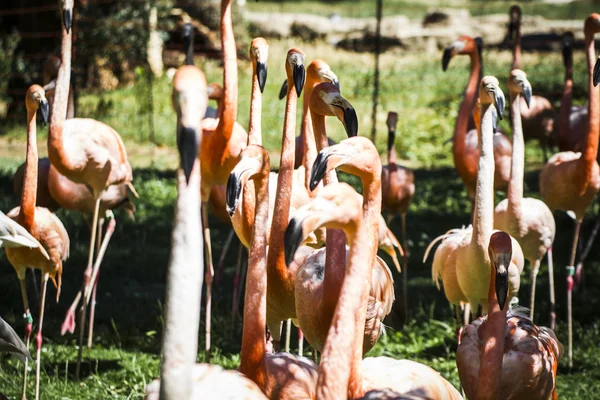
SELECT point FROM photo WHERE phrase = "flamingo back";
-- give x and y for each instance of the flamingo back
(397, 187)
(290, 377)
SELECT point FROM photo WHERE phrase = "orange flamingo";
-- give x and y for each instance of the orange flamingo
(462, 257)
(570, 181)
(537, 116)
(44, 226)
(343, 374)
(465, 142)
(318, 286)
(398, 189)
(85, 151)
(223, 140)
(528, 220)
(505, 356)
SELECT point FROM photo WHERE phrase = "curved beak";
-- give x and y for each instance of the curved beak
(299, 74)
(188, 143)
(336, 83)
(347, 115)
(45, 111)
(300, 226)
(261, 73)
(597, 72)
(567, 53)
(448, 54)
(501, 283)
(244, 170)
(67, 15)
(499, 101)
(327, 159)
(527, 93)
(283, 90)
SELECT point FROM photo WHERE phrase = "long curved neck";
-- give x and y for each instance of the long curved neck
(590, 151)
(464, 112)
(29, 193)
(60, 103)
(490, 370)
(391, 148)
(184, 282)
(255, 129)
(281, 209)
(307, 133)
(483, 215)
(516, 64)
(565, 107)
(517, 170)
(335, 242)
(230, 73)
(340, 375)
(253, 356)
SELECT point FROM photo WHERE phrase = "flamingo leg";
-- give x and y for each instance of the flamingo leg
(236, 283)
(28, 328)
(300, 341)
(586, 250)
(552, 295)
(208, 278)
(86, 282)
(219, 272)
(405, 265)
(288, 333)
(38, 337)
(534, 273)
(110, 229)
(275, 329)
(69, 322)
(570, 282)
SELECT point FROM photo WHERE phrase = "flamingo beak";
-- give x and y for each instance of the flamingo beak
(67, 19)
(499, 101)
(293, 238)
(261, 72)
(299, 74)
(45, 111)
(246, 168)
(448, 54)
(350, 121)
(326, 160)
(283, 90)
(567, 52)
(336, 83)
(501, 283)
(597, 72)
(188, 144)
(527, 93)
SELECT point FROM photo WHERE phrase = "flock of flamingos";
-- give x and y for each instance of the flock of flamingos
(312, 241)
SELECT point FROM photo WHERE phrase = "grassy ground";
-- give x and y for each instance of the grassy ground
(125, 355)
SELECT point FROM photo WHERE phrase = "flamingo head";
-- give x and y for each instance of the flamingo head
(187, 36)
(490, 93)
(356, 155)
(319, 71)
(392, 121)
(294, 67)
(591, 25)
(190, 99)
(336, 206)
(259, 53)
(500, 252)
(514, 24)
(463, 45)
(214, 91)
(568, 41)
(254, 163)
(518, 84)
(67, 13)
(35, 99)
(326, 100)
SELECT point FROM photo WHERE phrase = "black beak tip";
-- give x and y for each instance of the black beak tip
(45, 110)
(261, 72)
(446, 59)
(68, 19)
(283, 90)
(351, 122)
(292, 240)
(188, 146)
(336, 83)
(299, 78)
(502, 288)
(318, 171)
(597, 72)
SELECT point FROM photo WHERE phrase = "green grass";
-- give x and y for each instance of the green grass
(126, 353)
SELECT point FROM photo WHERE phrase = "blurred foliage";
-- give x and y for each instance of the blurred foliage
(8, 44)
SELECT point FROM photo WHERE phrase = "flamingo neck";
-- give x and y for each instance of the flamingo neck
(253, 356)
(483, 214)
(565, 108)
(490, 370)
(517, 171)
(590, 150)
(184, 282)
(29, 193)
(340, 374)
(335, 242)
(464, 112)
(56, 152)
(516, 64)
(255, 130)
(307, 133)
(230, 73)
(391, 148)
(281, 209)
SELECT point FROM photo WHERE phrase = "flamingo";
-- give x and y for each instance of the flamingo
(318, 286)
(570, 181)
(528, 220)
(465, 142)
(398, 189)
(44, 226)
(505, 355)
(342, 373)
(461, 261)
(85, 151)
(181, 377)
(223, 140)
(537, 116)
